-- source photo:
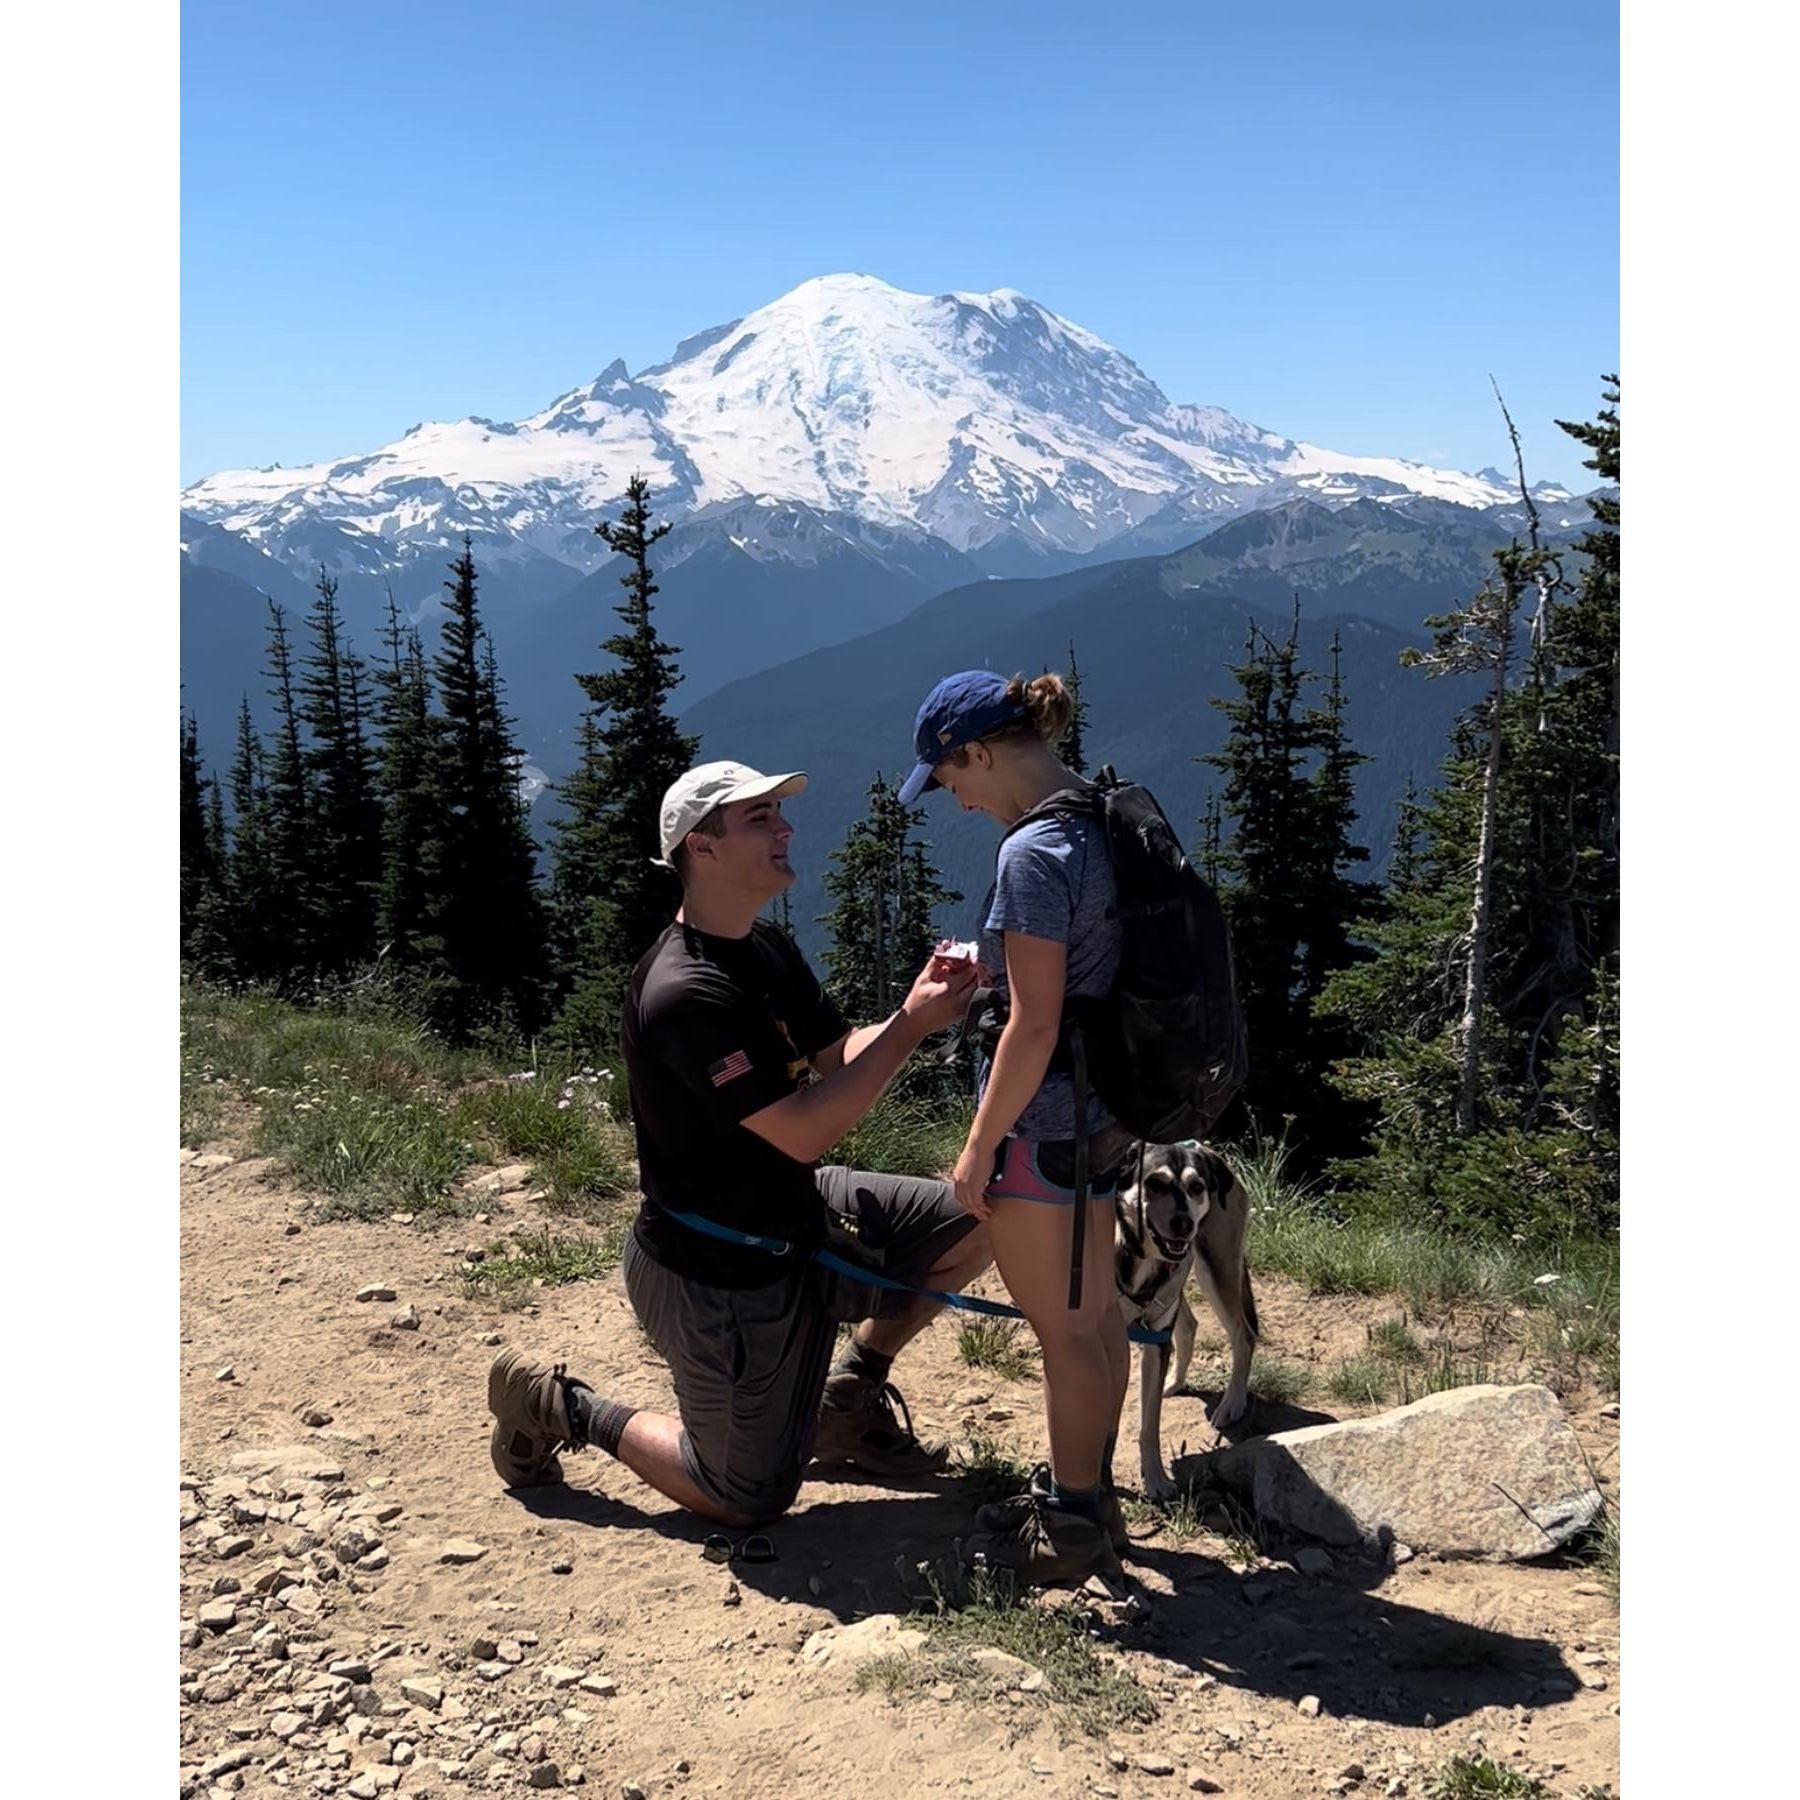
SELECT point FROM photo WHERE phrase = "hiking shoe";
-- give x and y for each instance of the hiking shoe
(1045, 1542)
(1004, 1515)
(531, 1420)
(858, 1425)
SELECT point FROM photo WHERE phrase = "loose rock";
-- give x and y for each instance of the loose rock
(376, 1290)
(406, 1319)
(423, 1690)
(882, 1634)
(1494, 1473)
(1308, 1707)
(462, 1550)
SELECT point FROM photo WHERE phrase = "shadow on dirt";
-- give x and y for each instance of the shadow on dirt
(1272, 1633)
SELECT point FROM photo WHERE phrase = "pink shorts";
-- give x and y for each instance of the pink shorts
(1045, 1172)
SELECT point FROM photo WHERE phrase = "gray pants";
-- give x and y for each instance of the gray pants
(749, 1364)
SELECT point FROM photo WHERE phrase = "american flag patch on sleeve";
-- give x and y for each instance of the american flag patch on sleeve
(729, 1068)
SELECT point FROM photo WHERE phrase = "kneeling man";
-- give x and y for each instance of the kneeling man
(743, 1073)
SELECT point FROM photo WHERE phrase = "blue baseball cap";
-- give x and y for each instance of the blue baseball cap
(960, 709)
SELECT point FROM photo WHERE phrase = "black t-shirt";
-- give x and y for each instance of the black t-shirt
(715, 1030)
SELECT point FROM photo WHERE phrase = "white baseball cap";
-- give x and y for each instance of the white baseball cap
(704, 789)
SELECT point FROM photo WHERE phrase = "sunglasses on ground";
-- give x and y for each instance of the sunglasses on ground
(756, 1548)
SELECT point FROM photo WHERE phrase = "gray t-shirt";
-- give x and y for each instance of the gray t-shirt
(1054, 880)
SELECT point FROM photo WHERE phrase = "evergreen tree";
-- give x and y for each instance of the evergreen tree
(341, 765)
(886, 895)
(1265, 801)
(490, 918)
(251, 911)
(782, 913)
(204, 942)
(1404, 861)
(410, 900)
(611, 901)
(1211, 847)
(290, 932)
(1285, 878)
(1071, 747)
(1489, 1013)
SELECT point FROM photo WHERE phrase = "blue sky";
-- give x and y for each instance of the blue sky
(1336, 224)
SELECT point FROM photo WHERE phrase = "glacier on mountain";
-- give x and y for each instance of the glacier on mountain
(984, 421)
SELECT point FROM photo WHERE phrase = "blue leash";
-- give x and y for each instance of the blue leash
(827, 1259)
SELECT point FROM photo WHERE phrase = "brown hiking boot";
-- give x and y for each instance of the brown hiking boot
(857, 1425)
(1045, 1543)
(1003, 1515)
(531, 1421)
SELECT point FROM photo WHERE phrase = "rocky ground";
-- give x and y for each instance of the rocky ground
(363, 1609)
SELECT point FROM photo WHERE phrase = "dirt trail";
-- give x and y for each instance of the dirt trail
(632, 1669)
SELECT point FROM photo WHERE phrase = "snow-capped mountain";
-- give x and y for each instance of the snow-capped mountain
(981, 424)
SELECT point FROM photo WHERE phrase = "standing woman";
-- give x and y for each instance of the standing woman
(1046, 935)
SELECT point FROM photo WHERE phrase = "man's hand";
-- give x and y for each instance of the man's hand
(940, 995)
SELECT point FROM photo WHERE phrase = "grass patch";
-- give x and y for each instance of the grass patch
(1443, 1370)
(994, 1344)
(373, 1112)
(1480, 1778)
(507, 1281)
(1242, 1537)
(1080, 1684)
(990, 1470)
(1180, 1518)
(255, 1040)
(1299, 1231)
(1393, 1341)
(1278, 1383)
(580, 1151)
(906, 1134)
(1599, 1550)
(1361, 1381)
(1452, 1645)
(202, 1104)
(367, 1152)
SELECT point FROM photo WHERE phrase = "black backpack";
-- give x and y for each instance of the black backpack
(1165, 1048)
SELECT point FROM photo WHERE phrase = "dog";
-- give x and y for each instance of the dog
(1180, 1210)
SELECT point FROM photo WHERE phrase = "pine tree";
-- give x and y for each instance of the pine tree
(782, 913)
(204, 944)
(887, 894)
(491, 919)
(1404, 859)
(341, 766)
(250, 906)
(1071, 747)
(611, 902)
(410, 900)
(1285, 877)
(1510, 1125)
(1211, 846)
(290, 932)
(1265, 800)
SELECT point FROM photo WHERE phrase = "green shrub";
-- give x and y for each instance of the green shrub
(995, 1344)
(906, 1135)
(1361, 1381)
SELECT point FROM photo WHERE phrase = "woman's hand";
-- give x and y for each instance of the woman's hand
(974, 1170)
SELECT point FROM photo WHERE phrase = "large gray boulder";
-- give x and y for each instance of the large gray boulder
(1491, 1473)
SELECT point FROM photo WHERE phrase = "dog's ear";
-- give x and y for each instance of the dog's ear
(1218, 1179)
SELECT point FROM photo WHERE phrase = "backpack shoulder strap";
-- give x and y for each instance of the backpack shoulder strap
(1067, 803)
